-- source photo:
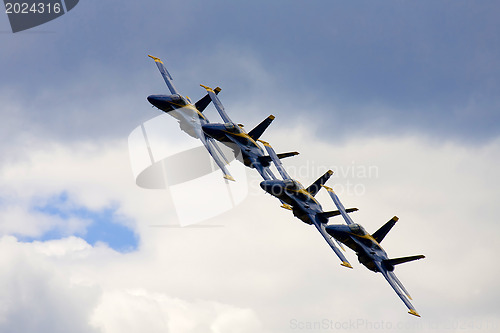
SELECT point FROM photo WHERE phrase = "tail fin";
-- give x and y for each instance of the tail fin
(260, 128)
(314, 188)
(380, 233)
(203, 103)
(390, 263)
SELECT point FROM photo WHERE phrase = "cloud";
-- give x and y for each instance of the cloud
(420, 67)
(264, 268)
(140, 310)
(37, 293)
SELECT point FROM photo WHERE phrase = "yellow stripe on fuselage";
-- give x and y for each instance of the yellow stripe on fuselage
(190, 106)
(367, 236)
(243, 135)
(303, 191)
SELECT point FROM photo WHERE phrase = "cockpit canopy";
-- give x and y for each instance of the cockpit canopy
(178, 99)
(291, 184)
(357, 229)
(230, 127)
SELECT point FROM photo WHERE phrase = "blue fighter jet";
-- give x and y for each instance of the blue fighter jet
(369, 251)
(234, 136)
(301, 200)
(190, 116)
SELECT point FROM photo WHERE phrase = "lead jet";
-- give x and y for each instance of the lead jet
(231, 134)
(190, 116)
(369, 251)
(301, 200)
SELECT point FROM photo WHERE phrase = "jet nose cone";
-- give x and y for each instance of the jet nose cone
(162, 102)
(154, 100)
(272, 187)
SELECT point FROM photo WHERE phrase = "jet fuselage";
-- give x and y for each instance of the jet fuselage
(304, 205)
(230, 133)
(356, 238)
(190, 119)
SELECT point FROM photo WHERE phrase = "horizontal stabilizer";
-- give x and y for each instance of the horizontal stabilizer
(266, 160)
(380, 233)
(205, 101)
(402, 260)
(314, 188)
(260, 128)
(326, 215)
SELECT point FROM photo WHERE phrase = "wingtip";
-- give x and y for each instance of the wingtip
(264, 143)
(271, 117)
(286, 206)
(329, 189)
(228, 177)
(155, 58)
(413, 312)
(217, 90)
(346, 264)
(207, 88)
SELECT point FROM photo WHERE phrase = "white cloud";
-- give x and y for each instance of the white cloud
(263, 268)
(38, 294)
(140, 310)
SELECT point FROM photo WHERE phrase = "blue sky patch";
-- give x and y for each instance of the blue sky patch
(105, 225)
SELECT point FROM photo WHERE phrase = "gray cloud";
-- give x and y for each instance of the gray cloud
(421, 67)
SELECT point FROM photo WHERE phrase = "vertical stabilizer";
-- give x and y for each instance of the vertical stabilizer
(259, 129)
(380, 233)
(314, 188)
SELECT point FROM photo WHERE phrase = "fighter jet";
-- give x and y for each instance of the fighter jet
(301, 200)
(233, 134)
(190, 116)
(369, 251)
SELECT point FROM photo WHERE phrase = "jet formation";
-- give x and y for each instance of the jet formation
(290, 192)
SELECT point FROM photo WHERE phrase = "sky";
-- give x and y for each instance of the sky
(399, 98)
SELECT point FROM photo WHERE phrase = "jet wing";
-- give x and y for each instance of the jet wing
(276, 160)
(218, 104)
(321, 228)
(339, 205)
(398, 288)
(212, 149)
(165, 74)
